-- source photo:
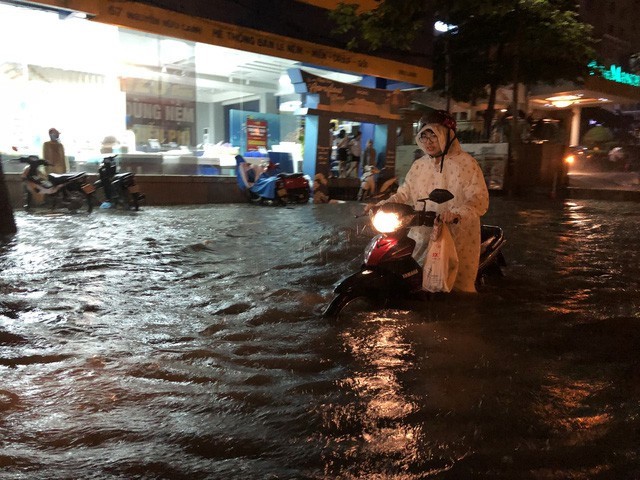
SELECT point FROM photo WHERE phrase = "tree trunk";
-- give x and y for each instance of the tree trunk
(490, 111)
(7, 222)
(497, 59)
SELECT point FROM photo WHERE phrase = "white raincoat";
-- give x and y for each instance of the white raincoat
(462, 176)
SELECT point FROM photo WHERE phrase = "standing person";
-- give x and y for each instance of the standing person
(369, 156)
(333, 155)
(53, 153)
(355, 149)
(343, 143)
(446, 165)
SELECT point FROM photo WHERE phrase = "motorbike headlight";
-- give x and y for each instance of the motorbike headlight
(386, 222)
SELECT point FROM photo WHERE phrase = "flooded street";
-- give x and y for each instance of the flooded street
(187, 343)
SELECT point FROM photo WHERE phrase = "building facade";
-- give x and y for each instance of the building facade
(182, 87)
(612, 87)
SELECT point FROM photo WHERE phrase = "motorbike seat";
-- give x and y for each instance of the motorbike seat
(120, 176)
(58, 178)
(291, 175)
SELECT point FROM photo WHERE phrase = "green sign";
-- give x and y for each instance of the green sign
(614, 73)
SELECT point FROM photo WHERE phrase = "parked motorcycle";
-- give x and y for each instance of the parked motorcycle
(265, 184)
(68, 190)
(374, 187)
(119, 188)
(389, 272)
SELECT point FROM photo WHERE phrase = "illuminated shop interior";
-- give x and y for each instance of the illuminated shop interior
(164, 104)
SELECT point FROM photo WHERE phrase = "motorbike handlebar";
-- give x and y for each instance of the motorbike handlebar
(33, 160)
(428, 218)
(424, 218)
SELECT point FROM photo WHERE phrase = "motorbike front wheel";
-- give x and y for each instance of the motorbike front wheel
(347, 304)
(130, 201)
(71, 200)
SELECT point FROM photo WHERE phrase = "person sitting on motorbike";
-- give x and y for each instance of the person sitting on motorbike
(447, 166)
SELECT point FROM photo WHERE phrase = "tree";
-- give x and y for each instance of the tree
(495, 42)
(7, 222)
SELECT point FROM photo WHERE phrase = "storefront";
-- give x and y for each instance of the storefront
(169, 93)
(608, 88)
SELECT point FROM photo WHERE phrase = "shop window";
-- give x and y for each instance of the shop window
(249, 106)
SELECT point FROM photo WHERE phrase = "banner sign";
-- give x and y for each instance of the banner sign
(90, 7)
(156, 20)
(256, 134)
(337, 97)
(614, 73)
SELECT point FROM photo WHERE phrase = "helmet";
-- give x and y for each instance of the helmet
(440, 117)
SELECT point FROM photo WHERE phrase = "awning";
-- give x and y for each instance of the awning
(594, 91)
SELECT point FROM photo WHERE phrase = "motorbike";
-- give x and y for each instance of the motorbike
(265, 184)
(119, 188)
(389, 272)
(69, 190)
(374, 187)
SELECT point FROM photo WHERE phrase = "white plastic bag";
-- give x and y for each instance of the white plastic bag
(441, 261)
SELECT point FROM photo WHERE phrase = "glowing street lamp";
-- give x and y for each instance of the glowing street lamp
(443, 28)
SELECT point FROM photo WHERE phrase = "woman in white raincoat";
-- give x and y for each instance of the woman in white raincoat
(446, 166)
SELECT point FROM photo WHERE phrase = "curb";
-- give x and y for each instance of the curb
(603, 194)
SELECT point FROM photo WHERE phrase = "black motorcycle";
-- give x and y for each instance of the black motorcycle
(120, 189)
(68, 190)
(389, 272)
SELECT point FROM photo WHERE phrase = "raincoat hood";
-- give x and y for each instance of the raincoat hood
(441, 133)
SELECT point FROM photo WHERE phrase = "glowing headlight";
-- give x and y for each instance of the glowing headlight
(386, 222)
(569, 159)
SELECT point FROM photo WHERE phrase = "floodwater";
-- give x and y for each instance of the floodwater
(186, 343)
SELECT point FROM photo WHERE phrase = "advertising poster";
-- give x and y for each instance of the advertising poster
(256, 134)
(169, 121)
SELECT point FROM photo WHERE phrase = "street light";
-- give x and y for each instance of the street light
(441, 28)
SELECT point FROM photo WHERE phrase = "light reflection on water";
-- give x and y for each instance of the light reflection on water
(182, 343)
(383, 354)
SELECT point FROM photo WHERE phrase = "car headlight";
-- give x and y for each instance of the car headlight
(386, 222)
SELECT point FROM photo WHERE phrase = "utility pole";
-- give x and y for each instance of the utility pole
(447, 72)
(511, 179)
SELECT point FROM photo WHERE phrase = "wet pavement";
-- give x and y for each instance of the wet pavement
(187, 343)
(605, 185)
(606, 180)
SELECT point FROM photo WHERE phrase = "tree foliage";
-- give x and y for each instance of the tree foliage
(394, 23)
(495, 42)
